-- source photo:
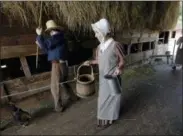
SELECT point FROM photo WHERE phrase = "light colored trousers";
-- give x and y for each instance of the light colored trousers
(59, 73)
(55, 87)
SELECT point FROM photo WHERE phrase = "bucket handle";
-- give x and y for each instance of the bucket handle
(92, 73)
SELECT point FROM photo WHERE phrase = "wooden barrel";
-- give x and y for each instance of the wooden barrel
(85, 85)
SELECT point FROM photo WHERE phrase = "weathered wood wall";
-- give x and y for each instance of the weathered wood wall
(18, 51)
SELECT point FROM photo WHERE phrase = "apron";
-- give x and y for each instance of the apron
(109, 102)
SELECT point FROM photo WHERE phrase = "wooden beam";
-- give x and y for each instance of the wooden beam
(161, 56)
(18, 51)
(21, 84)
(25, 67)
(3, 92)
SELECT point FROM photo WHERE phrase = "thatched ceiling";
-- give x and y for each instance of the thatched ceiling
(151, 15)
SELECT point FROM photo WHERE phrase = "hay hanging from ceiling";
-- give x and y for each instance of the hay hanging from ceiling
(78, 15)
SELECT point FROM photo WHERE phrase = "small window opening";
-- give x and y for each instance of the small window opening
(173, 34)
(134, 48)
(145, 46)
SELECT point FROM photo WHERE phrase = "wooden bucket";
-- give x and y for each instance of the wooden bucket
(85, 85)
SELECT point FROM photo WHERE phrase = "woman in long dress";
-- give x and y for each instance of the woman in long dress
(110, 59)
(179, 54)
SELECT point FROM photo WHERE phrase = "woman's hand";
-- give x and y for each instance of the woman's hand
(87, 63)
(117, 72)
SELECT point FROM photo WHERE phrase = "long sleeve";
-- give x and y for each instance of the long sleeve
(120, 55)
(42, 42)
(180, 40)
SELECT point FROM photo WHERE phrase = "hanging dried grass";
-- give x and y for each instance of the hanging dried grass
(26, 13)
(78, 15)
(15, 10)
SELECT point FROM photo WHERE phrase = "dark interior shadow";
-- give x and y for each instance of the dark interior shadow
(41, 113)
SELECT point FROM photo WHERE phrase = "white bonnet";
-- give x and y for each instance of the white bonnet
(102, 26)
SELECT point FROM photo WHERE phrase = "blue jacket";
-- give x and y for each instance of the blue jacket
(53, 46)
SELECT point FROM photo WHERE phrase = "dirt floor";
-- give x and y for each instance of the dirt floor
(152, 105)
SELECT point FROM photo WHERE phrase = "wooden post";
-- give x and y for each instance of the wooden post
(163, 37)
(143, 52)
(140, 47)
(150, 45)
(25, 67)
(129, 49)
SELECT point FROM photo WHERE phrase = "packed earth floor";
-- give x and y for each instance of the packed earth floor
(152, 105)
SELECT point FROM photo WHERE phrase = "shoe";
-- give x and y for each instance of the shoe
(59, 109)
(174, 67)
(101, 127)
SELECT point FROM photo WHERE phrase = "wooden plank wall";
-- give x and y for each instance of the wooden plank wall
(18, 51)
(17, 46)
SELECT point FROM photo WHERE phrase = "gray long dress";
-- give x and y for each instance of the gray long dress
(108, 102)
(179, 54)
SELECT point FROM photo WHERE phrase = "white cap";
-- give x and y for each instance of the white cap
(102, 26)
